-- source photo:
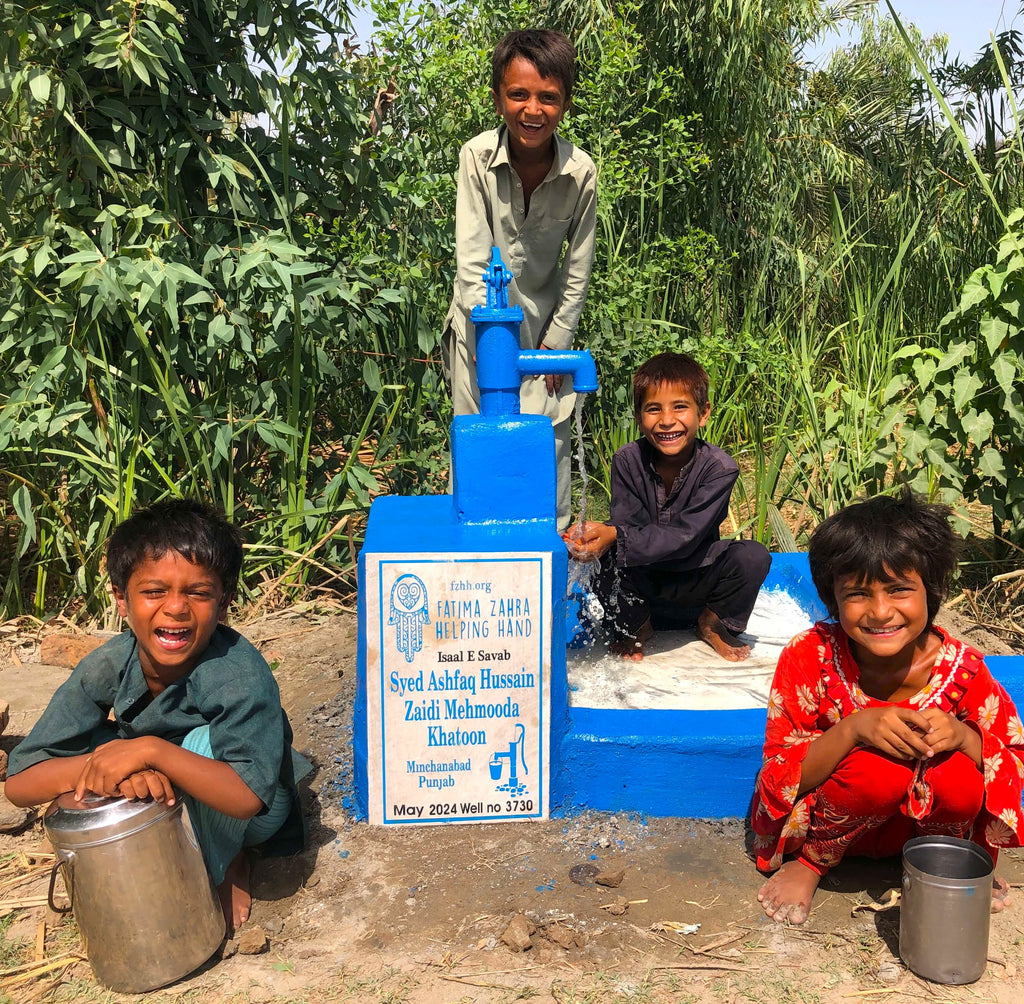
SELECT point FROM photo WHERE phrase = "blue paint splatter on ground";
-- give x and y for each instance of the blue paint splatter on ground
(332, 721)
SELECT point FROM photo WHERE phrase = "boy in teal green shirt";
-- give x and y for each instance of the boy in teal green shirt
(179, 703)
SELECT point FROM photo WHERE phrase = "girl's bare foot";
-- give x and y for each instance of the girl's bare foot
(1000, 894)
(235, 899)
(786, 896)
(720, 638)
(633, 648)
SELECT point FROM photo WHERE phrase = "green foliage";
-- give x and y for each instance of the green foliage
(967, 437)
(164, 328)
(221, 275)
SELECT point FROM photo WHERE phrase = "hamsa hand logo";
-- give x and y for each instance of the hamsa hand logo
(409, 614)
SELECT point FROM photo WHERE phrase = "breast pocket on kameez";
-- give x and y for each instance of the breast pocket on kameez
(544, 239)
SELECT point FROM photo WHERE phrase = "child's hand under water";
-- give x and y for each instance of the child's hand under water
(587, 542)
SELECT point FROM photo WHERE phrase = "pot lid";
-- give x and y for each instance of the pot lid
(96, 818)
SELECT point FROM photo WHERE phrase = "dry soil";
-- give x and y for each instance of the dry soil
(418, 914)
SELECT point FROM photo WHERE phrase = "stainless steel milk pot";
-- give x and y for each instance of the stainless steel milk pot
(944, 912)
(145, 907)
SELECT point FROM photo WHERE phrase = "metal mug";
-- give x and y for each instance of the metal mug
(146, 909)
(945, 908)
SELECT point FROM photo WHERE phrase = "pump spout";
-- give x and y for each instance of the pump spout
(579, 365)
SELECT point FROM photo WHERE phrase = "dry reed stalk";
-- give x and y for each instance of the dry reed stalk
(22, 903)
(35, 872)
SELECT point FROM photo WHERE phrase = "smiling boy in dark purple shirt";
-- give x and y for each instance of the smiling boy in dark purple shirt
(660, 553)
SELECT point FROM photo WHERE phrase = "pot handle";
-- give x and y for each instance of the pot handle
(67, 861)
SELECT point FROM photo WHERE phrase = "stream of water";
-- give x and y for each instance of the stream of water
(581, 573)
(581, 461)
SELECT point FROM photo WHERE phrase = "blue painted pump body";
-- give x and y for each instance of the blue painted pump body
(501, 364)
(662, 763)
(503, 494)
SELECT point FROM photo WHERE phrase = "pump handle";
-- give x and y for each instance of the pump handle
(497, 279)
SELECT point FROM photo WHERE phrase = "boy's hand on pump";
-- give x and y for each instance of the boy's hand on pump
(552, 381)
(590, 541)
(897, 731)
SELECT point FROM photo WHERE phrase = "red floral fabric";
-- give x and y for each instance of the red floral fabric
(816, 685)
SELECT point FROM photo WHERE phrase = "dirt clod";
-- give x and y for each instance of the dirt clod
(228, 949)
(889, 972)
(610, 879)
(252, 941)
(517, 935)
(559, 935)
(583, 874)
(618, 907)
(12, 818)
(67, 650)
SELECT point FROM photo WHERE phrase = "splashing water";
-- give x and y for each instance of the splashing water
(582, 573)
(581, 462)
(595, 617)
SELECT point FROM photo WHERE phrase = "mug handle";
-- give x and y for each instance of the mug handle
(67, 884)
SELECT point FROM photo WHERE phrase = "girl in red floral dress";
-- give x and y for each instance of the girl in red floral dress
(881, 727)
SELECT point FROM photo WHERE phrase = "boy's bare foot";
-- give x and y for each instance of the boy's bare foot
(786, 896)
(235, 899)
(723, 641)
(633, 648)
(1000, 893)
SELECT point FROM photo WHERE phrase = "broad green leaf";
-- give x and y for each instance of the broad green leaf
(1013, 404)
(222, 442)
(966, 384)
(21, 499)
(926, 408)
(955, 356)
(1007, 370)
(371, 375)
(915, 443)
(39, 86)
(923, 370)
(990, 465)
(994, 330)
(975, 290)
(978, 426)
(42, 258)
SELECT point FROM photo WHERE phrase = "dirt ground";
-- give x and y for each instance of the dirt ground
(417, 914)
